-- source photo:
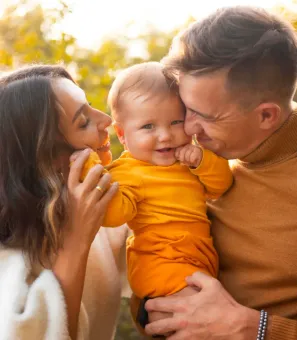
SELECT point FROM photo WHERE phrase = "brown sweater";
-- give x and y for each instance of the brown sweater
(255, 231)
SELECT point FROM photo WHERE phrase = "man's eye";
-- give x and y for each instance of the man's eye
(175, 122)
(147, 126)
(193, 113)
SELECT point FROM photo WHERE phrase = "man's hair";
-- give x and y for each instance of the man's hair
(257, 48)
(145, 79)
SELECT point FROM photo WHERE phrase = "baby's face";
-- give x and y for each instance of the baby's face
(153, 129)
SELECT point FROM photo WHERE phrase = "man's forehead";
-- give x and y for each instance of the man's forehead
(201, 89)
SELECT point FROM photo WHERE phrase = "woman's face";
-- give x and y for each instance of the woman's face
(81, 125)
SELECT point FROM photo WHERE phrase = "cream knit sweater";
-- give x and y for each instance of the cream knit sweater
(32, 304)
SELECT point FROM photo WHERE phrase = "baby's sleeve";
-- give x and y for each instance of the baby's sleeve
(214, 173)
(123, 207)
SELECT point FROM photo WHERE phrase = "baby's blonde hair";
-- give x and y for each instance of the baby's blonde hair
(145, 79)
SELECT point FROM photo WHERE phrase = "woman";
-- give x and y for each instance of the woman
(59, 277)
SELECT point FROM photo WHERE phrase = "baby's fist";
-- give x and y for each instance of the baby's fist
(190, 155)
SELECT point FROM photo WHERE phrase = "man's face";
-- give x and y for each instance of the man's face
(216, 120)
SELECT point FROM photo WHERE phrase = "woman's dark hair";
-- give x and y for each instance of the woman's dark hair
(31, 204)
(258, 48)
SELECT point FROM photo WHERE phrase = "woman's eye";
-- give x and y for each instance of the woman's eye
(147, 126)
(175, 122)
(84, 124)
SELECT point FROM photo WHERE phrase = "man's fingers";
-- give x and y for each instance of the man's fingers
(180, 335)
(165, 326)
(200, 280)
(168, 304)
(76, 167)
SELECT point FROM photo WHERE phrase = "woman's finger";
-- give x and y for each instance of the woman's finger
(93, 177)
(107, 197)
(75, 154)
(76, 168)
(103, 185)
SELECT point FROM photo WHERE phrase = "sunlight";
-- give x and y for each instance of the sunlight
(90, 20)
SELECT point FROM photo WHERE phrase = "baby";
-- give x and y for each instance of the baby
(164, 183)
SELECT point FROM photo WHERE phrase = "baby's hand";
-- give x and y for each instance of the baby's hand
(190, 155)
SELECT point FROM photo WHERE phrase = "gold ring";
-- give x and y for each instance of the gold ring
(98, 187)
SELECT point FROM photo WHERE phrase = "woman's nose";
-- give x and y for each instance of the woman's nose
(104, 121)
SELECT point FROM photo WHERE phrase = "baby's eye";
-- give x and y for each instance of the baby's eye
(177, 122)
(147, 126)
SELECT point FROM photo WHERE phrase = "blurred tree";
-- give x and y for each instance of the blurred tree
(290, 14)
(157, 43)
(26, 36)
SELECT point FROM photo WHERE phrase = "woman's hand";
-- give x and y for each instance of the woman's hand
(209, 314)
(87, 201)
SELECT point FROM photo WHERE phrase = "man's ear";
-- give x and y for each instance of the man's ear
(270, 116)
(120, 132)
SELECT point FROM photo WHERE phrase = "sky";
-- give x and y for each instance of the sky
(92, 20)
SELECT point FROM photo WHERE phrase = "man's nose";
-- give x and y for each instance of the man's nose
(192, 128)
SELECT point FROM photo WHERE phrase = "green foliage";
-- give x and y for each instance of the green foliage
(29, 34)
(126, 329)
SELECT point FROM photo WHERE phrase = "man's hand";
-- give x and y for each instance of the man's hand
(210, 314)
(190, 155)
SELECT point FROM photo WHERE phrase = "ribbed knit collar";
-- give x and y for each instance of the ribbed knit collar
(280, 146)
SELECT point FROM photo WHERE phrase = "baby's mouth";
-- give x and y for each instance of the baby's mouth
(164, 150)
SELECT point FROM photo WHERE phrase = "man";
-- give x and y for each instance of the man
(237, 73)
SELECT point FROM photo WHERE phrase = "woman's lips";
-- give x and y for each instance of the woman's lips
(105, 147)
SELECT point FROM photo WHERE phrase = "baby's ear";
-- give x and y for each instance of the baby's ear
(120, 132)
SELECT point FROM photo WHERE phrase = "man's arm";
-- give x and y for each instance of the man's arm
(213, 314)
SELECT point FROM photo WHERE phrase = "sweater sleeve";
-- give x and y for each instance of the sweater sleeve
(282, 329)
(214, 173)
(123, 207)
(36, 311)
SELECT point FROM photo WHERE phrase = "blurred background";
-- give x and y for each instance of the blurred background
(96, 39)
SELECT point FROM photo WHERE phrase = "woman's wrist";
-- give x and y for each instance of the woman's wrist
(72, 242)
(70, 269)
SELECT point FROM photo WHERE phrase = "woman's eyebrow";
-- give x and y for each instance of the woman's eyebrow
(78, 112)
